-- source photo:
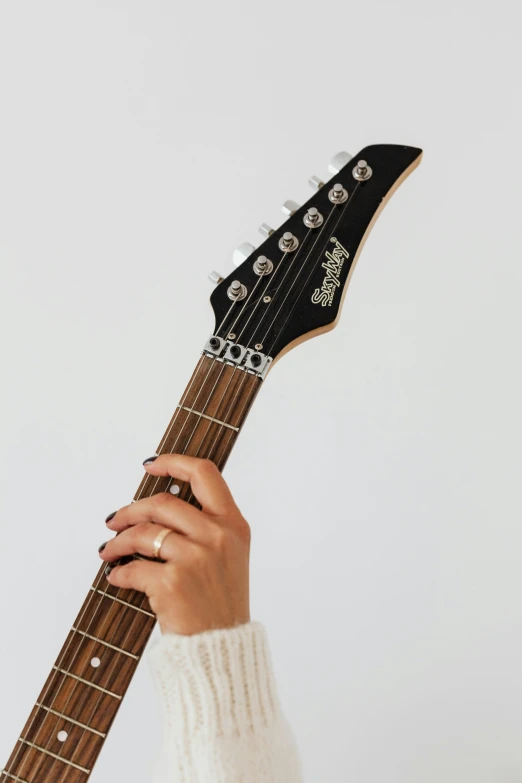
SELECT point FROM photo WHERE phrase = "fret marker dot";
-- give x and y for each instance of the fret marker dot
(174, 489)
(62, 736)
(95, 662)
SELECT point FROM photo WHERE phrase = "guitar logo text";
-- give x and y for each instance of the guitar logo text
(333, 265)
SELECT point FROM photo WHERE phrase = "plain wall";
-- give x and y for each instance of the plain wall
(380, 466)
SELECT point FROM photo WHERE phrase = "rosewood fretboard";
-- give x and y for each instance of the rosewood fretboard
(75, 710)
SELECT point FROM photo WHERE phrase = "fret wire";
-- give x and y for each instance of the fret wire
(225, 431)
(54, 755)
(71, 720)
(125, 603)
(86, 682)
(116, 597)
(13, 777)
(210, 418)
(220, 431)
(221, 428)
(107, 644)
(202, 386)
(246, 404)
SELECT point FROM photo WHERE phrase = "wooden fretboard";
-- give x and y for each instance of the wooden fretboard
(79, 701)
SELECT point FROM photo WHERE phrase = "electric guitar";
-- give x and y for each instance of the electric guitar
(288, 290)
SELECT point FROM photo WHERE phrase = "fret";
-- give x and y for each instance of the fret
(57, 735)
(90, 684)
(71, 720)
(86, 686)
(209, 418)
(101, 664)
(107, 644)
(73, 699)
(225, 395)
(55, 756)
(125, 603)
(13, 777)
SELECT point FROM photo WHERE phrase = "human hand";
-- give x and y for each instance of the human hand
(204, 581)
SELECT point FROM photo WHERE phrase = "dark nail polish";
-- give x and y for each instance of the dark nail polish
(102, 546)
(108, 569)
(111, 516)
(150, 459)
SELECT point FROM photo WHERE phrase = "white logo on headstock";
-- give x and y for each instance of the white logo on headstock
(333, 265)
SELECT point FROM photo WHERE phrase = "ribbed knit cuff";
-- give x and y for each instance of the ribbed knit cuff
(222, 717)
(220, 682)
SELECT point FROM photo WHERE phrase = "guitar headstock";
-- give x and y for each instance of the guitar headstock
(292, 287)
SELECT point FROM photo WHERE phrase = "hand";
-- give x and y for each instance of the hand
(204, 582)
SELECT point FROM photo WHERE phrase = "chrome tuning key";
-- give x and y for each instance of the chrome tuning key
(266, 230)
(289, 207)
(242, 252)
(216, 277)
(315, 182)
(338, 162)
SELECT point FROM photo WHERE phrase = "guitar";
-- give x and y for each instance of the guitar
(288, 290)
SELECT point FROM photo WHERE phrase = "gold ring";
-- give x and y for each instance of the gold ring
(158, 541)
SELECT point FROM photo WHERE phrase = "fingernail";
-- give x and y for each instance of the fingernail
(150, 459)
(110, 516)
(102, 546)
(108, 569)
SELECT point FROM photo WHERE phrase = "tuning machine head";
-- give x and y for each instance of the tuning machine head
(338, 162)
(242, 252)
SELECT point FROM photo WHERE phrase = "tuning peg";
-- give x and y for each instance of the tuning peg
(242, 252)
(338, 161)
(215, 277)
(315, 182)
(289, 207)
(265, 230)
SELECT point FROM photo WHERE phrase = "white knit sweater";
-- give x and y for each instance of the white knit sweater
(222, 716)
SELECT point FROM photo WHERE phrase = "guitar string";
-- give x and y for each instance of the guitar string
(88, 605)
(220, 428)
(111, 682)
(303, 287)
(165, 438)
(239, 315)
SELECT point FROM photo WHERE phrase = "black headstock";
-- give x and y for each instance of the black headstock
(292, 287)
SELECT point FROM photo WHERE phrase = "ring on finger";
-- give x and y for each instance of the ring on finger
(158, 541)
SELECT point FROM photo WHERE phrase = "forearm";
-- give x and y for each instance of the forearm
(223, 722)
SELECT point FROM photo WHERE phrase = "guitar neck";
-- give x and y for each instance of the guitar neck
(79, 701)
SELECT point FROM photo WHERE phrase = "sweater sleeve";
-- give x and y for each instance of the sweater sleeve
(223, 721)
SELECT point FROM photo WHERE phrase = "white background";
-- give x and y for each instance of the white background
(380, 467)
